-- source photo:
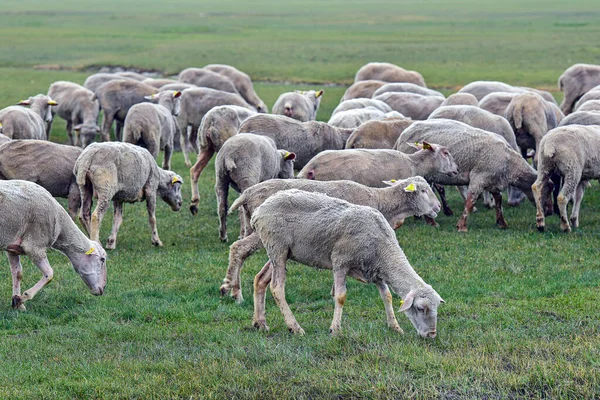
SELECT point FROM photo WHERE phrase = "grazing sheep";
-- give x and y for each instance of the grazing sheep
(577, 80)
(195, 103)
(116, 98)
(158, 83)
(301, 106)
(93, 82)
(592, 95)
(242, 83)
(218, 125)
(460, 99)
(245, 160)
(480, 89)
(178, 86)
(361, 103)
(581, 118)
(590, 105)
(485, 162)
(153, 126)
(75, 105)
(411, 105)
(378, 134)
(388, 73)
(122, 172)
(31, 221)
(48, 164)
(362, 89)
(323, 232)
(372, 167)
(407, 87)
(23, 123)
(407, 197)
(305, 139)
(202, 77)
(352, 119)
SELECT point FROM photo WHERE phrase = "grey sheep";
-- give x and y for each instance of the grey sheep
(305, 139)
(242, 83)
(577, 80)
(590, 105)
(497, 103)
(153, 126)
(405, 198)
(572, 152)
(28, 123)
(351, 240)
(75, 105)
(159, 83)
(93, 82)
(299, 105)
(592, 95)
(31, 221)
(362, 89)
(195, 103)
(122, 172)
(407, 87)
(581, 118)
(485, 162)
(411, 105)
(361, 103)
(480, 89)
(217, 126)
(388, 73)
(378, 134)
(116, 98)
(460, 99)
(48, 164)
(352, 119)
(202, 77)
(245, 160)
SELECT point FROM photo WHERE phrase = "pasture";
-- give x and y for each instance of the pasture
(522, 311)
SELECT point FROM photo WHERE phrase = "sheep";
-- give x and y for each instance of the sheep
(242, 83)
(590, 105)
(48, 164)
(301, 106)
(93, 82)
(460, 99)
(480, 89)
(372, 167)
(75, 105)
(388, 73)
(153, 126)
(31, 221)
(361, 103)
(324, 232)
(411, 105)
(362, 89)
(378, 134)
(572, 152)
(158, 83)
(195, 103)
(23, 123)
(217, 126)
(485, 162)
(575, 82)
(581, 118)
(202, 77)
(351, 119)
(122, 172)
(407, 197)
(497, 103)
(406, 87)
(305, 139)
(245, 160)
(116, 97)
(592, 95)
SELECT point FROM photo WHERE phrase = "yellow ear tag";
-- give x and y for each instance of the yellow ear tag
(393, 181)
(401, 303)
(52, 103)
(410, 188)
(287, 154)
(90, 251)
(175, 180)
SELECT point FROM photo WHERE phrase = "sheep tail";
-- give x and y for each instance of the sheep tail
(237, 203)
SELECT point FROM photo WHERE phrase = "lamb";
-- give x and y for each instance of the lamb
(195, 103)
(116, 97)
(372, 167)
(581, 118)
(205, 78)
(577, 80)
(460, 99)
(404, 198)
(378, 134)
(93, 82)
(323, 232)
(485, 162)
(362, 89)
(23, 123)
(480, 89)
(301, 106)
(48, 164)
(31, 221)
(245, 160)
(153, 126)
(411, 105)
(590, 105)
(242, 83)
(407, 87)
(75, 105)
(158, 83)
(218, 125)
(122, 172)
(351, 119)
(592, 95)
(388, 73)
(361, 103)
(305, 139)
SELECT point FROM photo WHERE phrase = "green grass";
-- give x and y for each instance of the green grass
(522, 312)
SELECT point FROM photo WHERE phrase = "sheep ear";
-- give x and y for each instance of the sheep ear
(177, 94)
(319, 94)
(428, 146)
(415, 145)
(24, 103)
(175, 180)
(289, 156)
(442, 300)
(78, 127)
(151, 97)
(407, 302)
(52, 103)
(392, 182)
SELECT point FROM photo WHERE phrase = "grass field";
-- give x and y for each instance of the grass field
(522, 312)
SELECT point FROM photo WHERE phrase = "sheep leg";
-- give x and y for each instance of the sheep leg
(462, 222)
(339, 283)
(579, 192)
(500, 221)
(386, 296)
(442, 192)
(85, 213)
(570, 183)
(17, 274)
(97, 216)
(261, 281)
(238, 252)
(221, 190)
(69, 132)
(151, 206)
(47, 275)
(247, 225)
(184, 142)
(167, 157)
(107, 121)
(201, 162)
(119, 131)
(540, 192)
(278, 291)
(111, 243)
(74, 201)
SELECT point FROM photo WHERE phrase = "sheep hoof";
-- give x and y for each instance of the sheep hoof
(224, 289)
(397, 328)
(194, 208)
(223, 238)
(238, 297)
(462, 229)
(261, 326)
(334, 332)
(297, 331)
(540, 228)
(157, 243)
(110, 244)
(17, 303)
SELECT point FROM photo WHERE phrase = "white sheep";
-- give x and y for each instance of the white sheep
(22, 123)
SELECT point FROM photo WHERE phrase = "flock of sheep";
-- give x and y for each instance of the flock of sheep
(389, 142)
